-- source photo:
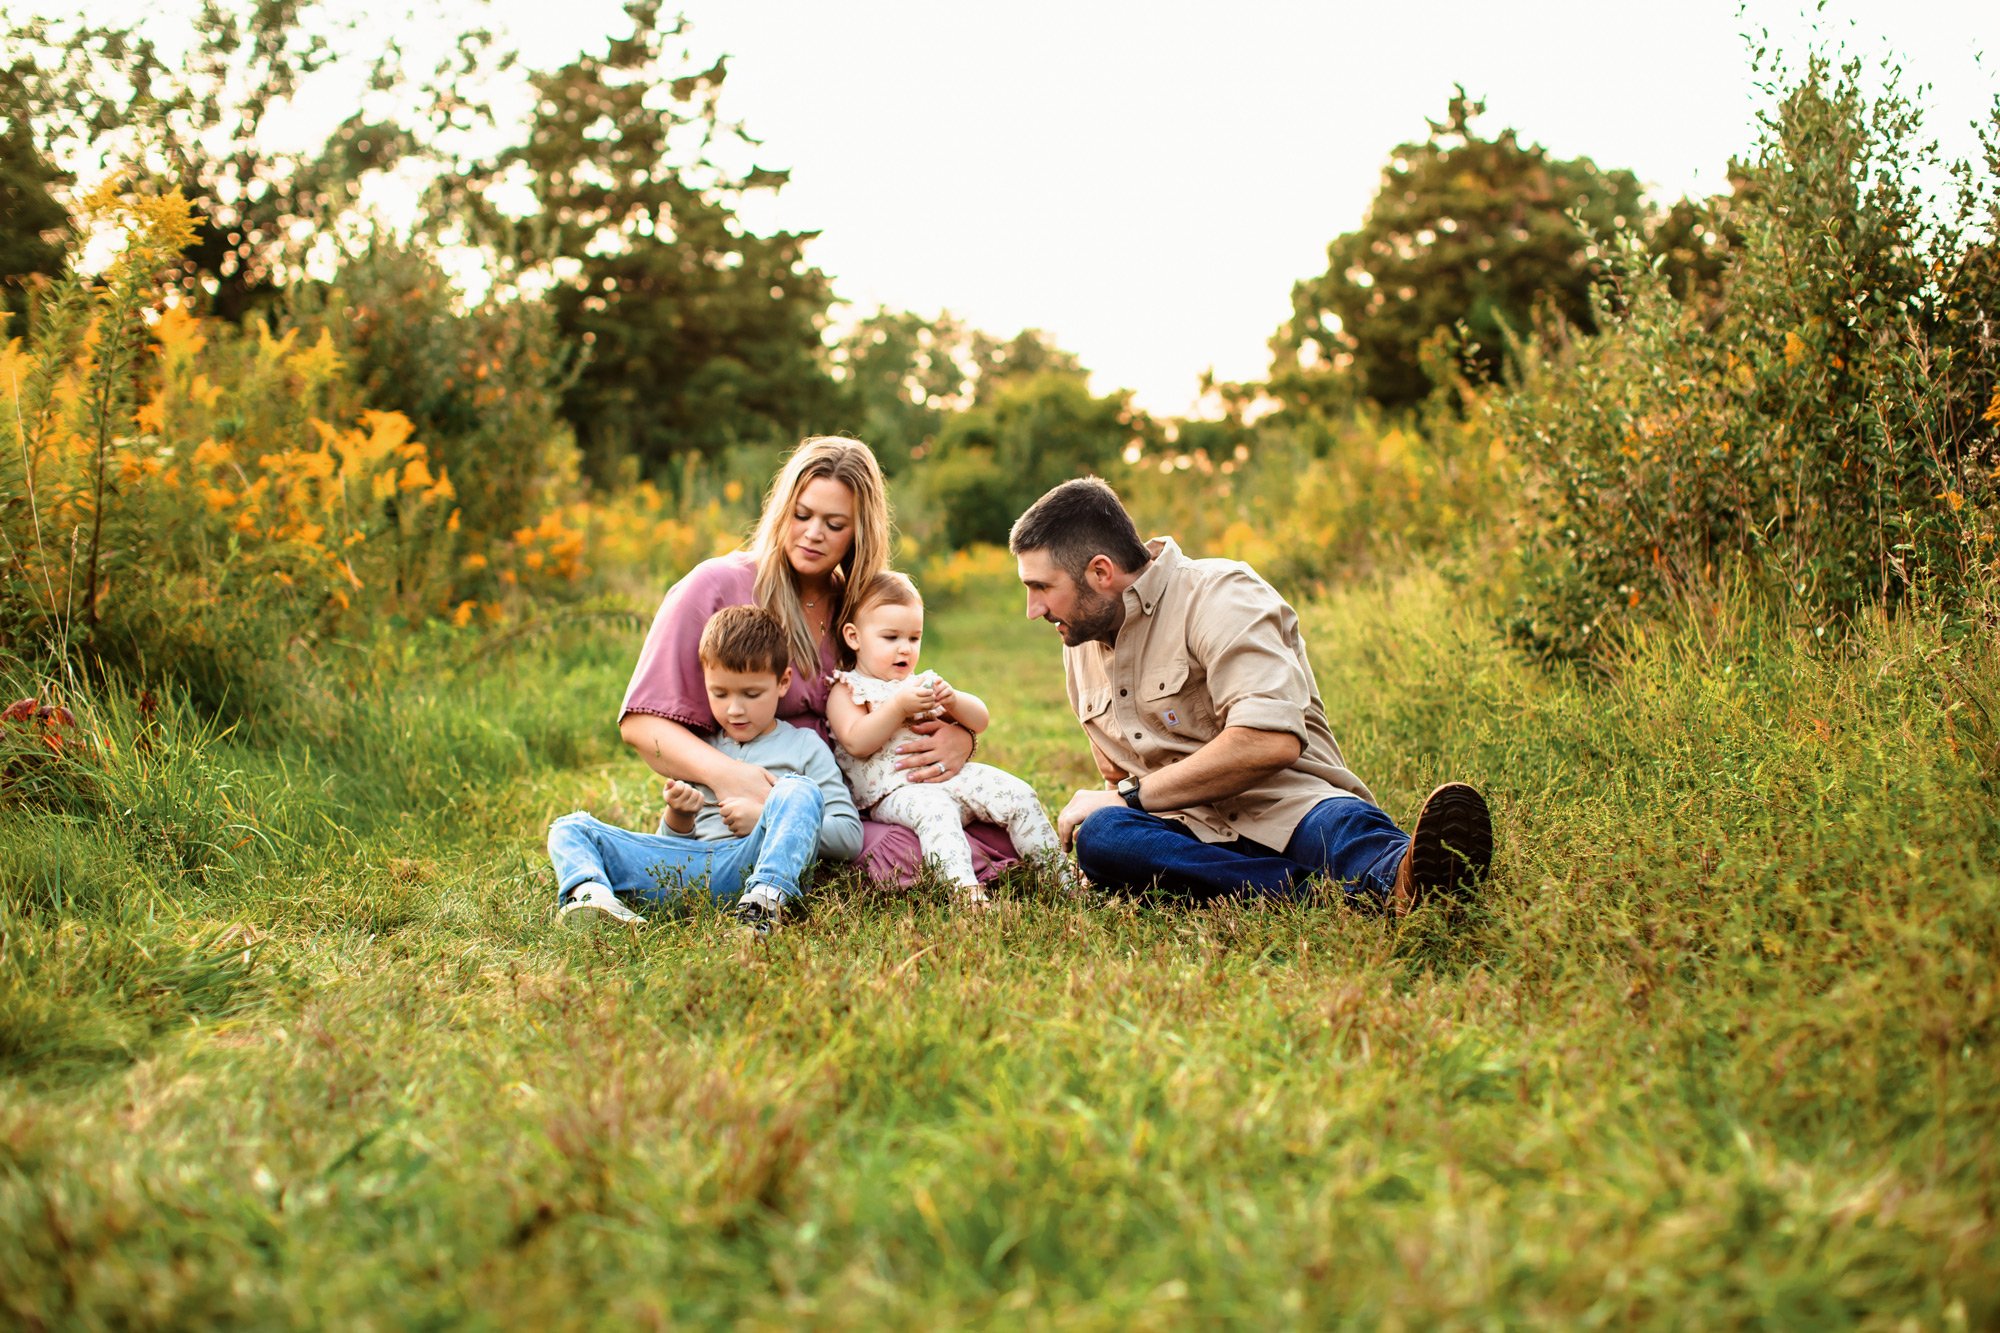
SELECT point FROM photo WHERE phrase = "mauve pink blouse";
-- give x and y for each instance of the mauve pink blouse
(667, 682)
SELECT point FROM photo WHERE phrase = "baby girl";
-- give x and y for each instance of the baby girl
(870, 710)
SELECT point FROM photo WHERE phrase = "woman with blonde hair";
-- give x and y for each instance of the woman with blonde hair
(824, 530)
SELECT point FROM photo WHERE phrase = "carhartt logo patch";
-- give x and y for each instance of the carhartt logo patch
(1173, 719)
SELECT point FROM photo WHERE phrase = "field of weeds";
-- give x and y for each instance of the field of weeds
(288, 1037)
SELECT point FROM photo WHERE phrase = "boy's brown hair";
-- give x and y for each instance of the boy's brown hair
(745, 638)
(886, 589)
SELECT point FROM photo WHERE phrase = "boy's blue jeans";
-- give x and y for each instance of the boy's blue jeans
(1343, 838)
(659, 866)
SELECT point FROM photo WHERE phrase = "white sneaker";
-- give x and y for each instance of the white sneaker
(592, 905)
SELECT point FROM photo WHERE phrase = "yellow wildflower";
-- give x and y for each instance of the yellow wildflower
(317, 363)
(219, 497)
(274, 349)
(103, 196)
(178, 333)
(1795, 348)
(384, 485)
(451, 524)
(153, 416)
(165, 222)
(462, 616)
(416, 475)
(474, 563)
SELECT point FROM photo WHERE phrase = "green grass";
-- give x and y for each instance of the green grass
(1716, 1048)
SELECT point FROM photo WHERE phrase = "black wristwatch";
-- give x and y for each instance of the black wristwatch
(1129, 789)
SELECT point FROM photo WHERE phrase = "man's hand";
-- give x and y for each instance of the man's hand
(1081, 807)
(740, 814)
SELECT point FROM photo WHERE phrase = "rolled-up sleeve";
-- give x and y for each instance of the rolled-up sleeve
(1242, 633)
(667, 681)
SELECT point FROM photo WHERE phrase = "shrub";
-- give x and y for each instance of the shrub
(1309, 498)
(1834, 428)
(993, 460)
(481, 381)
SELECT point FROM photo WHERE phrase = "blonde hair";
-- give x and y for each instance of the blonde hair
(852, 464)
(885, 589)
(744, 638)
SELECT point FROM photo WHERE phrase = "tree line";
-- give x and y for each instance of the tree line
(635, 320)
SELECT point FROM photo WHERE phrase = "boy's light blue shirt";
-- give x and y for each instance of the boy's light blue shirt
(789, 749)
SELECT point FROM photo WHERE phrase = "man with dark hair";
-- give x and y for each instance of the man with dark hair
(1191, 681)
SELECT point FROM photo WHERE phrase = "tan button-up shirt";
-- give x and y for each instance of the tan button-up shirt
(1208, 644)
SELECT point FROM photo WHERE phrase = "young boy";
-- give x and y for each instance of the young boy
(808, 810)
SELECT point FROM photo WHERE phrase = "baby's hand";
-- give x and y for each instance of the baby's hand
(941, 695)
(916, 698)
(683, 797)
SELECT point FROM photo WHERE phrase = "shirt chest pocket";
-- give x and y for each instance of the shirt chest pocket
(1091, 704)
(1174, 698)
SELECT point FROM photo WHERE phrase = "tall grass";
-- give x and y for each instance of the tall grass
(1717, 1046)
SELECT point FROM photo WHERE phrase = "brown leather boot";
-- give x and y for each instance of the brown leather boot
(1450, 848)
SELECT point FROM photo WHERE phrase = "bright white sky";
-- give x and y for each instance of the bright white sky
(1147, 180)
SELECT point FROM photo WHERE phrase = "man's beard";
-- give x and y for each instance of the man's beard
(1096, 619)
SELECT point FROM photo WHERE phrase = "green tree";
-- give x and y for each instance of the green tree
(996, 363)
(700, 335)
(1465, 230)
(995, 458)
(29, 214)
(101, 96)
(902, 375)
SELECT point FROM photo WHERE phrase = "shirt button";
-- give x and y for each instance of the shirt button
(1123, 693)
(1138, 735)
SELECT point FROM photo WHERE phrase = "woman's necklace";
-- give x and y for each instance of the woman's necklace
(818, 623)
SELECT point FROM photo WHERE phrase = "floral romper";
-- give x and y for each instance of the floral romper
(937, 812)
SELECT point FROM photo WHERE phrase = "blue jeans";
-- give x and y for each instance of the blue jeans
(658, 866)
(1343, 838)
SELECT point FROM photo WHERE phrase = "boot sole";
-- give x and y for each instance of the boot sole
(1451, 847)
